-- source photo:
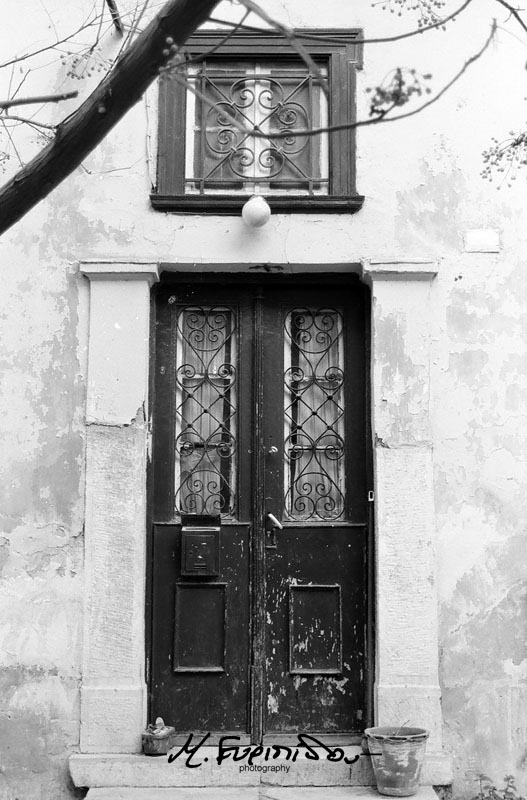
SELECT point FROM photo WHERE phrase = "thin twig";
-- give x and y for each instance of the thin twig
(108, 171)
(32, 122)
(50, 18)
(378, 40)
(515, 13)
(223, 41)
(416, 31)
(290, 36)
(445, 88)
(33, 53)
(116, 17)
(25, 76)
(44, 98)
(350, 125)
(13, 145)
(133, 28)
(400, 727)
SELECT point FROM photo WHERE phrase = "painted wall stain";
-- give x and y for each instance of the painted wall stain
(405, 394)
(37, 726)
(41, 524)
(427, 212)
(484, 665)
(4, 552)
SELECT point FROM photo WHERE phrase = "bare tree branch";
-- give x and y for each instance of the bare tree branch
(515, 13)
(13, 145)
(445, 88)
(32, 122)
(236, 27)
(180, 59)
(257, 134)
(52, 46)
(378, 40)
(44, 98)
(133, 28)
(141, 56)
(417, 31)
(290, 36)
(116, 17)
(118, 92)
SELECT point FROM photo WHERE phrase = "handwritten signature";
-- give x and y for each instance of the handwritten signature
(308, 746)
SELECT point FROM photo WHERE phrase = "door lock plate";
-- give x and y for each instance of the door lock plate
(271, 526)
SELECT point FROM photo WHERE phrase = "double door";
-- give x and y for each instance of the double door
(260, 542)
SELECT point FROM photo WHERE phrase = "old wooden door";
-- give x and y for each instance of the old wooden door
(259, 551)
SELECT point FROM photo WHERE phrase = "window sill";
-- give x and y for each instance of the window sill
(280, 204)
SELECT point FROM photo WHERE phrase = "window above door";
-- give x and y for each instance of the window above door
(208, 161)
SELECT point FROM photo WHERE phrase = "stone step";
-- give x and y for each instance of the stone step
(261, 792)
(138, 770)
(99, 770)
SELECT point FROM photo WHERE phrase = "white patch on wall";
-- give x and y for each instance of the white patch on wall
(482, 240)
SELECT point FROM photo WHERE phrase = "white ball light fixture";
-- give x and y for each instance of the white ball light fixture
(256, 211)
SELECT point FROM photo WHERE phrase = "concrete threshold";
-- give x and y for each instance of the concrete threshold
(121, 771)
(202, 770)
(261, 792)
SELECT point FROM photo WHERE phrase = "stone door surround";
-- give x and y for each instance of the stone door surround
(113, 691)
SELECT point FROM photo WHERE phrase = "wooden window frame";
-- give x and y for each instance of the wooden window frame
(342, 50)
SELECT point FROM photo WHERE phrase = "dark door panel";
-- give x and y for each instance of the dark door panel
(315, 630)
(260, 417)
(201, 635)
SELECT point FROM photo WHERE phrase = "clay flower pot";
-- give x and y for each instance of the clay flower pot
(397, 756)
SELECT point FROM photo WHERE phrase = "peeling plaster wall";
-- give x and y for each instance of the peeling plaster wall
(41, 526)
(481, 511)
(423, 197)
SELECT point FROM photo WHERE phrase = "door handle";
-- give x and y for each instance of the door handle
(271, 526)
(274, 522)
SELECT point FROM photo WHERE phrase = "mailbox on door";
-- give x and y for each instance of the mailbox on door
(200, 545)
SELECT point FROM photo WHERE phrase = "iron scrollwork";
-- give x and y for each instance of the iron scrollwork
(265, 105)
(206, 378)
(314, 415)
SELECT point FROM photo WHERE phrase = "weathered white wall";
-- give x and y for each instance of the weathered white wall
(424, 195)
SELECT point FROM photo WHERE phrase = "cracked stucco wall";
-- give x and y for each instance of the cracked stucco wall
(481, 511)
(41, 524)
(424, 195)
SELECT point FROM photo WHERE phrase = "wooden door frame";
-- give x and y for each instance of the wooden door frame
(257, 682)
(257, 671)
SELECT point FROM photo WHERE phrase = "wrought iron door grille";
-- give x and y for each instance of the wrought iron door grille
(206, 400)
(226, 101)
(314, 414)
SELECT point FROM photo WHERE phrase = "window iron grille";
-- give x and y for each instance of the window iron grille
(314, 448)
(225, 102)
(206, 391)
